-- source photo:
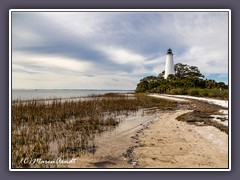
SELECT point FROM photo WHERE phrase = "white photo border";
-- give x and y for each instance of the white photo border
(121, 10)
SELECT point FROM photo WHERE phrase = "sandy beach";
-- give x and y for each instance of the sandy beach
(169, 143)
(159, 140)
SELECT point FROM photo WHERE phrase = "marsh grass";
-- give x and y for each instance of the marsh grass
(67, 128)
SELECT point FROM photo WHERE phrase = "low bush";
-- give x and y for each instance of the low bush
(193, 92)
(214, 93)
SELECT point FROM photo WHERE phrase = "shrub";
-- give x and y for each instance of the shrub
(178, 91)
(214, 93)
(218, 93)
(193, 92)
(184, 92)
(203, 92)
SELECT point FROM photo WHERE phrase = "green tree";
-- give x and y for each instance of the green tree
(187, 80)
(184, 70)
(210, 84)
(142, 86)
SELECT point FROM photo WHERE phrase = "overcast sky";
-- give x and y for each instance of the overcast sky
(113, 50)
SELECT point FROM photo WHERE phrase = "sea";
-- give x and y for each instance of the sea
(29, 94)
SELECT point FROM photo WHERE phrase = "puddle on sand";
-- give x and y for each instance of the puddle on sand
(111, 145)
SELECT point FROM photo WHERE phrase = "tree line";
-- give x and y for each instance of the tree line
(187, 80)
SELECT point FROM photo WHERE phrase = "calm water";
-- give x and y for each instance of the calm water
(26, 94)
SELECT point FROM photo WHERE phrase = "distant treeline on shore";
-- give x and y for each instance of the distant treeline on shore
(187, 81)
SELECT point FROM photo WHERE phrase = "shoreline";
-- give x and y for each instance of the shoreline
(149, 136)
(112, 146)
(174, 144)
(164, 143)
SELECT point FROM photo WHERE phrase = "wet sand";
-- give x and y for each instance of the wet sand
(111, 146)
(169, 143)
(158, 140)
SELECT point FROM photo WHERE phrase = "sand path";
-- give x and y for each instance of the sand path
(169, 98)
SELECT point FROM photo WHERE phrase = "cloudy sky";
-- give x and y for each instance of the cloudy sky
(113, 50)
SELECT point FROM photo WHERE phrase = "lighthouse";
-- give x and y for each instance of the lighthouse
(169, 66)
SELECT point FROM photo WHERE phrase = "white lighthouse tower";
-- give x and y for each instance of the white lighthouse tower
(169, 66)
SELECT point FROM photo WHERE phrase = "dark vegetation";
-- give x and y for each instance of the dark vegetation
(67, 128)
(187, 81)
(202, 115)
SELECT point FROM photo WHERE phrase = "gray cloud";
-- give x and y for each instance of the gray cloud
(119, 46)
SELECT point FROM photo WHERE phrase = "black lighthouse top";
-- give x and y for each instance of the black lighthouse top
(169, 51)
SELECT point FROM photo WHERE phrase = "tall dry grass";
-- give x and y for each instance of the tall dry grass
(67, 128)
